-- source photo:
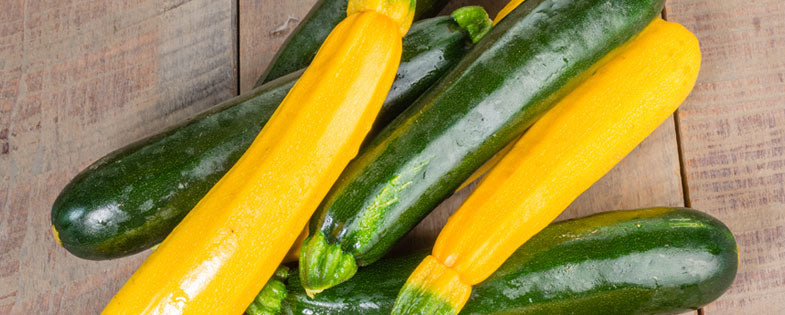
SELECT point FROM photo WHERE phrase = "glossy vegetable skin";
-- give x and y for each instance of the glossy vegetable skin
(431, 48)
(522, 67)
(661, 260)
(300, 47)
(131, 199)
(658, 260)
(558, 158)
(230, 244)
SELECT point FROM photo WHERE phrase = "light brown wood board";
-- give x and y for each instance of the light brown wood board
(732, 132)
(79, 79)
(264, 25)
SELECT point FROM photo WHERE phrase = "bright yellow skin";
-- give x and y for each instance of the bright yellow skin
(294, 251)
(489, 164)
(229, 245)
(400, 11)
(562, 155)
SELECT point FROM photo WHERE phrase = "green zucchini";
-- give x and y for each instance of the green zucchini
(659, 260)
(300, 47)
(522, 67)
(131, 199)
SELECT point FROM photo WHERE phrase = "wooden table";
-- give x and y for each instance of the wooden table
(81, 78)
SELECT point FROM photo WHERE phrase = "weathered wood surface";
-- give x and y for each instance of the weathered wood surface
(264, 25)
(77, 80)
(732, 132)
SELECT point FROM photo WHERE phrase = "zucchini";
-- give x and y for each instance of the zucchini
(657, 260)
(300, 47)
(522, 67)
(132, 198)
(559, 157)
(229, 245)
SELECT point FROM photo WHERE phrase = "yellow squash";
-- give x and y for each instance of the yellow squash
(564, 153)
(294, 251)
(229, 245)
(489, 164)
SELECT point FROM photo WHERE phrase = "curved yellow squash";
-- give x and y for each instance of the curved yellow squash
(228, 246)
(561, 156)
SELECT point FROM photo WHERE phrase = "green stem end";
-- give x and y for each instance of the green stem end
(415, 300)
(433, 288)
(474, 20)
(268, 301)
(324, 265)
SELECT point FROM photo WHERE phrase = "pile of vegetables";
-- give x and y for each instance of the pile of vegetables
(356, 132)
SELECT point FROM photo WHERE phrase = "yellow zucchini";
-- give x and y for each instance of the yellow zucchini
(229, 245)
(562, 155)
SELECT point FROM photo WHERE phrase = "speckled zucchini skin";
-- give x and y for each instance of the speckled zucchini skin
(659, 260)
(300, 47)
(131, 199)
(522, 67)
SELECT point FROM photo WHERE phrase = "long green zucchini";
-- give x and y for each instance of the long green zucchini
(525, 64)
(131, 199)
(300, 47)
(660, 260)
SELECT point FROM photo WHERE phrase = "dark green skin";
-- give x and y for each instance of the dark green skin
(302, 44)
(522, 67)
(131, 199)
(660, 260)
(438, 39)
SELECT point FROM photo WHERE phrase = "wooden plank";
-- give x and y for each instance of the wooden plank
(77, 80)
(732, 132)
(264, 25)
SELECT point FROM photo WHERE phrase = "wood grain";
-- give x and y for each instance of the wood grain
(77, 80)
(264, 25)
(732, 132)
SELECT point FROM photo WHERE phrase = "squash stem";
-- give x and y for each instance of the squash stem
(268, 301)
(433, 288)
(474, 20)
(324, 265)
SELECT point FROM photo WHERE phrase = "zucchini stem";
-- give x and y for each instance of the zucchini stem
(326, 265)
(474, 20)
(433, 288)
(268, 301)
